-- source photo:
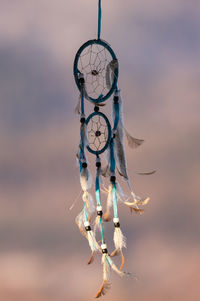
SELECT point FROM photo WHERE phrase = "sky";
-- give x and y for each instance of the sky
(42, 254)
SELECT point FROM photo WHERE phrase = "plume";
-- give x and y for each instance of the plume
(119, 151)
(120, 242)
(106, 277)
(78, 106)
(133, 142)
(146, 173)
(85, 179)
(110, 73)
(106, 216)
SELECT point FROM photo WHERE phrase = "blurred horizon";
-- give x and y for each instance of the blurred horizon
(42, 254)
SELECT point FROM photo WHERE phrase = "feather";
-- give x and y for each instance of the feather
(120, 242)
(91, 259)
(106, 276)
(110, 73)
(105, 171)
(106, 216)
(123, 260)
(119, 151)
(84, 133)
(87, 197)
(137, 210)
(114, 253)
(73, 204)
(138, 202)
(78, 107)
(133, 142)
(92, 241)
(80, 223)
(103, 289)
(119, 239)
(146, 173)
(85, 179)
(120, 194)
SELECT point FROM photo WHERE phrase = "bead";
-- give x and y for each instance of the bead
(116, 99)
(98, 164)
(88, 228)
(116, 220)
(117, 225)
(104, 248)
(84, 164)
(99, 208)
(100, 213)
(96, 109)
(82, 120)
(112, 179)
(104, 251)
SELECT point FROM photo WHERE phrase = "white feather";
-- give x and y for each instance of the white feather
(106, 268)
(119, 239)
(87, 197)
(85, 179)
(92, 241)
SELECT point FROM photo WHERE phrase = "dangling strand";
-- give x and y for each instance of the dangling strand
(86, 180)
(119, 239)
(119, 152)
(106, 260)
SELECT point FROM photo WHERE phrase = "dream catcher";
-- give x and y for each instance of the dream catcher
(96, 75)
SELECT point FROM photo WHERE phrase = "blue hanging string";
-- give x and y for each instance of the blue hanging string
(112, 158)
(82, 101)
(116, 109)
(99, 20)
(82, 144)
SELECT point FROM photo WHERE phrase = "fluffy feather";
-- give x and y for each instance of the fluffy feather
(133, 142)
(91, 259)
(85, 179)
(146, 173)
(110, 73)
(119, 151)
(120, 242)
(92, 241)
(119, 239)
(106, 216)
(84, 133)
(87, 197)
(106, 276)
(78, 107)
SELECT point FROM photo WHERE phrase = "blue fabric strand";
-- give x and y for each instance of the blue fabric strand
(116, 109)
(114, 192)
(112, 158)
(82, 102)
(99, 20)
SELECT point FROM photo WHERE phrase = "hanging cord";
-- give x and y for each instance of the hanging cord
(82, 121)
(99, 20)
(107, 262)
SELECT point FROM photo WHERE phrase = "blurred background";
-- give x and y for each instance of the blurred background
(42, 254)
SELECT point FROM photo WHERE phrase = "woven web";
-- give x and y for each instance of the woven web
(92, 64)
(97, 132)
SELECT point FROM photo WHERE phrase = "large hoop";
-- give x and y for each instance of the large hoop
(98, 64)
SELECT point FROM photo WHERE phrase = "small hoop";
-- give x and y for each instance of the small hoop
(98, 133)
